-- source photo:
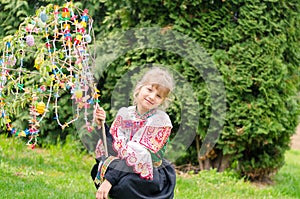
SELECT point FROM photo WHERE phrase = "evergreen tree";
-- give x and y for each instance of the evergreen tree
(255, 46)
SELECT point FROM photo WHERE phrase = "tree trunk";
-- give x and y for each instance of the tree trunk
(225, 162)
(199, 158)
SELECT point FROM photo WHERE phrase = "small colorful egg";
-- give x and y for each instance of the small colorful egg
(48, 45)
(65, 14)
(40, 108)
(78, 93)
(30, 40)
(65, 9)
(44, 17)
(38, 62)
(22, 134)
(43, 88)
(12, 60)
(84, 18)
(88, 38)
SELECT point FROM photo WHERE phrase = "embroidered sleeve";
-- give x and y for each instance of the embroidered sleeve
(118, 134)
(154, 138)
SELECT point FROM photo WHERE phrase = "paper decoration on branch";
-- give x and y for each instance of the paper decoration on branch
(58, 39)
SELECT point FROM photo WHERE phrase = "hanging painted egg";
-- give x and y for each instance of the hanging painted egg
(38, 62)
(69, 43)
(40, 108)
(44, 17)
(88, 38)
(79, 37)
(11, 60)
(30, 40)
(78, 93)
(84, 18)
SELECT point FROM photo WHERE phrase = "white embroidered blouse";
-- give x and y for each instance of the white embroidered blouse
(136, 137)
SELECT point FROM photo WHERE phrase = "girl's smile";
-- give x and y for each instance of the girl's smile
(149, 97)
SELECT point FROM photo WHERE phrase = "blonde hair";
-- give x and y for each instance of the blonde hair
(158, 78)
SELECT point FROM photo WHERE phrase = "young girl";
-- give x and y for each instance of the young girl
(135, 167)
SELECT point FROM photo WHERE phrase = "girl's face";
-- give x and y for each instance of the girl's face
(149, 97)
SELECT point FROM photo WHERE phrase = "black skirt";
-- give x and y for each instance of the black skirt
(128, 185)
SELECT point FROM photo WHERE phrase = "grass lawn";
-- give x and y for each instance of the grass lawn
(210, 184)
(62, 172)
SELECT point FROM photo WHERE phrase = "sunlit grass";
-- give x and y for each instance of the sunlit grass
(64, 172)
(53, 173)
(211, 184)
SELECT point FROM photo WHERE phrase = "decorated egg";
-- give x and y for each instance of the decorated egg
(88, 38)
(44, 17)
(38, 62)
(81, 30)
(67, 26)
(11, 60)
(40, 108)
(29, 40)
(78, 93)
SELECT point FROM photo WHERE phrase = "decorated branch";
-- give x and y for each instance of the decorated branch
(58, 39)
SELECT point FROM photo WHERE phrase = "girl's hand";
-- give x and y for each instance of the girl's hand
(102, 192)
(100, 115)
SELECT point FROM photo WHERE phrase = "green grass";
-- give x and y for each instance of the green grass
(210, 184)
(62, 172)
(53, 173)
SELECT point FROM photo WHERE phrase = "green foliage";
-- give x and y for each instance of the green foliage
(12, 13)
(261, 84)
